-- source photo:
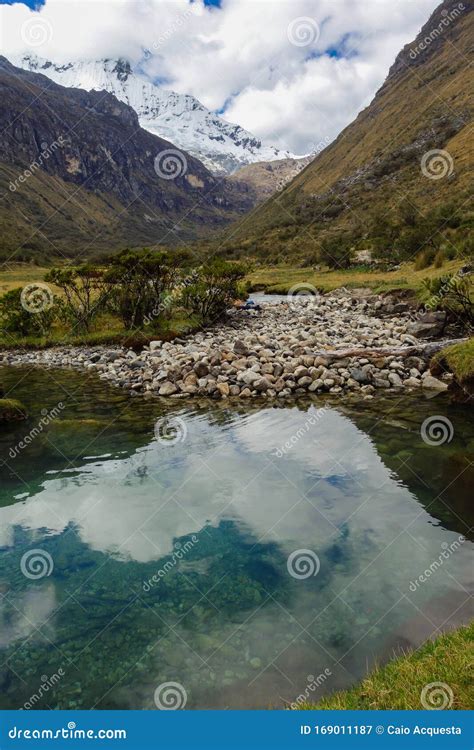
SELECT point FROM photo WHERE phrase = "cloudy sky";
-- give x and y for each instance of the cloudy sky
(294, 72)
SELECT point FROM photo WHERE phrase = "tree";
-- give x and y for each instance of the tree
(141, 283)
(84, 292)
(214, 290)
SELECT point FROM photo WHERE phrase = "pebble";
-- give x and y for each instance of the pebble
(272, 354)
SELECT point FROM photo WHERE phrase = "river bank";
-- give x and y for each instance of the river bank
(343, 341)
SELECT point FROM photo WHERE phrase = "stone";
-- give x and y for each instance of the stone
(395, 380)
(240, 347)
(359, 375)
(428, 326)
(248, 377)
(201, 369)
(154, 345)
(167, 389)
(262, 384)
(429, 381)
(224, 389)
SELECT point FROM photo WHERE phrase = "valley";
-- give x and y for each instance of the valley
(236, 378)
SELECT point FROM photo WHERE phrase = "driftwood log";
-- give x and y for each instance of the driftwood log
(424, 350)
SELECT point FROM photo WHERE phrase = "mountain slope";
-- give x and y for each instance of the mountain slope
(425, 104)
(79, 174)
(264, 178)
(222, 146)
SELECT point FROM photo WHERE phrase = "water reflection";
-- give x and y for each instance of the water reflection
(170, 560)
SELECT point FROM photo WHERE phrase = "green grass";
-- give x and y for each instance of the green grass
(20, 274)
(448, 659)
(459, 359)
(106, 331)
(279, 279)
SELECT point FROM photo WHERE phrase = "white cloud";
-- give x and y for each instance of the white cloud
(248, 58)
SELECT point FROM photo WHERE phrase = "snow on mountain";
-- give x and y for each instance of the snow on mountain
(222, 146)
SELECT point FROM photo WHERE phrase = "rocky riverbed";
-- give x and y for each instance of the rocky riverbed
(279, 351)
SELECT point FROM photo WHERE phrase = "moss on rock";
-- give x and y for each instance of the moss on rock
(12, 410)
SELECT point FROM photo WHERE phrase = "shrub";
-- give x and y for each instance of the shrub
(424, 259)
(141, 284)
(84, 293)
(16, 318)
(454, 294)
(215, 289)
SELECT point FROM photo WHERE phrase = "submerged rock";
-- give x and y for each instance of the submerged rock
(12, 410)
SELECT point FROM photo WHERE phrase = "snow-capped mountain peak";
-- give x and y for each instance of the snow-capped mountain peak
(180, 118)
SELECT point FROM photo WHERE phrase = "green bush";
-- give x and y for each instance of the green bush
(214, 290)
(84, 293)
(452, 293)
(16, 318)
(141, 285)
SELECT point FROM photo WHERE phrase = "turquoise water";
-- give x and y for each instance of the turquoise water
(164, 536)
